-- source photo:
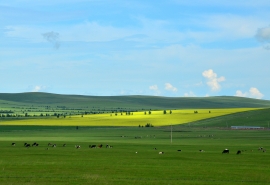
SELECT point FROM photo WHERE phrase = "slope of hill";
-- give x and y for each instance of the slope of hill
(259, 117)
(139, 102)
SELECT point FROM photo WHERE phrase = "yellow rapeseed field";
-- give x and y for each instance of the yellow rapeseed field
(156, 118)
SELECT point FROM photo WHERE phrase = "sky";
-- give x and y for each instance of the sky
(172, 48)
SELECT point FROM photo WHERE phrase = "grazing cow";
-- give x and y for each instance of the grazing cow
(100, 146)
(77, 146)
(179, 150)
(226, 151)
(64, 145)
(54, 145)
(161, 153)
(49, 144)
(201, 150)
(238, 152)
(92, 146)
(108, 146)
(34, 144)
(27, 145)
(13, 144)
(155, 148)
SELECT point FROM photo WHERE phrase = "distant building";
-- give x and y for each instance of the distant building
(247, 127)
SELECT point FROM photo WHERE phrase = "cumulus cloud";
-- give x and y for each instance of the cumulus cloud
(170, 87)
(155, 89)
(52, 37)
(189, 94)
(38, 88)
(263, 36)
(213, 80)
(252, 93)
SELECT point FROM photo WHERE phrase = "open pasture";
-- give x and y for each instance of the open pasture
(122, 165)
(156, 118)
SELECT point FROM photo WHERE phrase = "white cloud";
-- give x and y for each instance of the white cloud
(155, 89)
(38, 88)
(189, 94)
(213, 80)
(169, 87)
(240, 93)
(253, 93)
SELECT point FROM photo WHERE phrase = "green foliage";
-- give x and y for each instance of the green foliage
(149, 125)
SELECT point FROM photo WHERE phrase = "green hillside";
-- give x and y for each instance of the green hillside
(134, 102)
(259, 117)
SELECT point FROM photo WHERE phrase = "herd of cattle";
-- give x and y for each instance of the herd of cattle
(27, 145)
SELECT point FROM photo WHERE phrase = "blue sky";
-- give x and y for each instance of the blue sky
(170, 48)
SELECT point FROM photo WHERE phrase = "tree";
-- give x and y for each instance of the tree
(149, 125)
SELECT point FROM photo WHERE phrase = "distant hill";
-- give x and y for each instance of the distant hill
(139, 102)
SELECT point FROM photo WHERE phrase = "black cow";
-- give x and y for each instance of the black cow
(27, 145)
(13, 144)
(226, 151)
(34, 144)
(64, 145)
(238, 152)
(179, 150)
(92, 146)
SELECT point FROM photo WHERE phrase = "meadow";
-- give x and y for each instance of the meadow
(131, 160)
(134, 156)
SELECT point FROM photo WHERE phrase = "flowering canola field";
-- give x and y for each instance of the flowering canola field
(156, 118)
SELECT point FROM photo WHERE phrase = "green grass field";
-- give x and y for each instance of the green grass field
(122, 165)
(87, 120)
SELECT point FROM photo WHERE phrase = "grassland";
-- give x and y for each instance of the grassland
(99, 121)
(122, 165)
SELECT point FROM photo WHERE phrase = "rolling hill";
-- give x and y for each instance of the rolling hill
(135, 102)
